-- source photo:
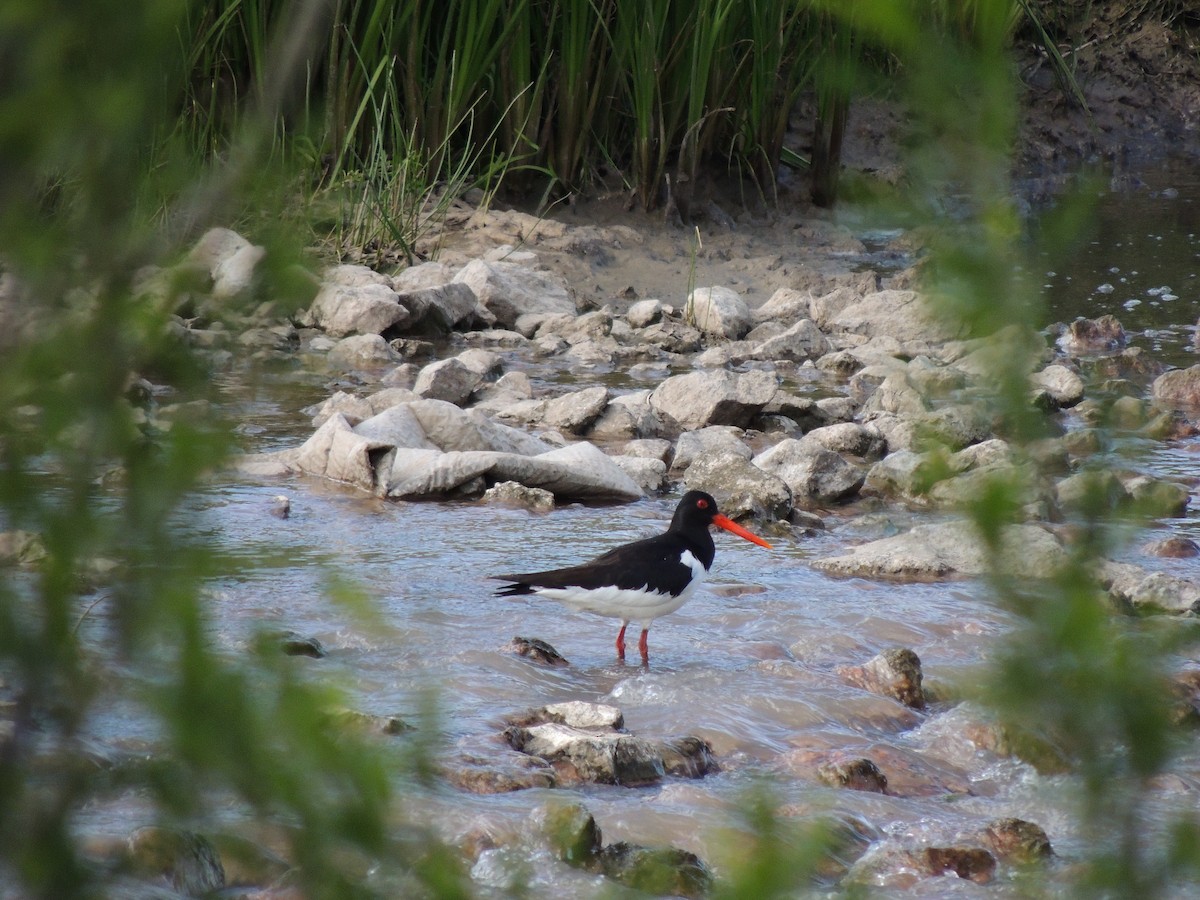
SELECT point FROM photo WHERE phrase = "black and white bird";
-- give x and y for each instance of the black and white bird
(642, 580)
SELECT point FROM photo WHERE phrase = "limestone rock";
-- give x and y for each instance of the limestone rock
(570, 830)
(632, 416)
(858, 774)
(894, 862)
(509, 290)
(575, 412)
(650, 474)
(362, 350)
(421, 276)
(948, 550)
(1179, 388)
(900, 474)
(1017, 840)
(714, 397)
(693, 445)
(235, 275)
(718, 310)
(21, 548)
(1056, 387)
(811, 471)
(573, 713)
(442, 308)
(597, 757)
(741, 488)
(1094, 492)
(1161, 592)
(825, 308)
(802, 341)
(657, 871)
(536, 649)
(498, 771)
(513, 493)
(644, 313)
(785, 306)
(1173, 547)
(672, 336)
(592, 326)
(850, 438)
(431, 448)
(899, 314)
(358, 308)
(449, 380)
(649, 448)
(215, 247)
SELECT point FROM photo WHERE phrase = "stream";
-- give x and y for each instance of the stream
(749, 664)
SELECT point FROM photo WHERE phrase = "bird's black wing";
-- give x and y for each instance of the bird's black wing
(653, 561)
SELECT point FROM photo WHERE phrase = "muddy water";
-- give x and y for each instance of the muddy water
(1138, 258)
(750, 664)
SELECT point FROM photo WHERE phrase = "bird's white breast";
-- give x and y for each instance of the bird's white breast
(640, 604)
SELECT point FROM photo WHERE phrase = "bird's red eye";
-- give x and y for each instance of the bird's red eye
(701, 503)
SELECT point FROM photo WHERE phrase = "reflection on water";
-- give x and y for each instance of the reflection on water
(1139, 260)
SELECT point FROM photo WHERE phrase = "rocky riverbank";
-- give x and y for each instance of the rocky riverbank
(816, 406)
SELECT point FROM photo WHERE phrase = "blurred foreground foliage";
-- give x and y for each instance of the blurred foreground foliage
(125, 127)
(95, 184)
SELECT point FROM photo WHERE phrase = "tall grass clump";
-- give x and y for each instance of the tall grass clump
(559, 93)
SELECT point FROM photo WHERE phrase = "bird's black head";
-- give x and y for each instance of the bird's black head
(697, 510)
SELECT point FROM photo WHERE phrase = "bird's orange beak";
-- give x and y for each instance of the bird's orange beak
(730, 525)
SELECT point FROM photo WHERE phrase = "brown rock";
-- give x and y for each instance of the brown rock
(1017, 840)
(500, 772)
(656, 870)
(1085, 336)
(855, 774)
(1174, 547)
(893, 673)
(536, 650)
(972, 863)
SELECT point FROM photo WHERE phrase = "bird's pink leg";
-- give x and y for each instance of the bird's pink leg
(621, 639)
(643, 645)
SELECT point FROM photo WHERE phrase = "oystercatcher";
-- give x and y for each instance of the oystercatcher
(642, 580)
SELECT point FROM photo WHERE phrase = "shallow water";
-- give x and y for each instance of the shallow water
(1137, 258)
(750, 664)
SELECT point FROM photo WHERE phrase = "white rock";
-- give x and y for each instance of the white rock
(741, 488)
(704, 441)
(509, 290)
(340, 309)
(948, 550)
(214, 247)
(714, 397)
(800, 342)
(1062, 387)
(447, 379)
(900, 314)
(718, 310)
(811, 471)
(362, 349)
(785, 305)
(234, 276)
(576, 411)
(650, 474)
(644, 313)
